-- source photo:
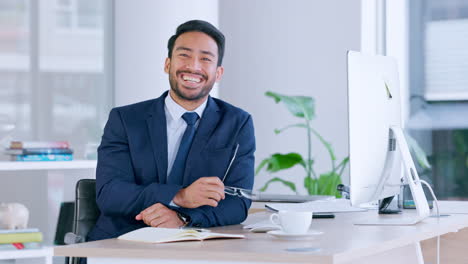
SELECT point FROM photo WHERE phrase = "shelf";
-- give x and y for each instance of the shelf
(26, 253)
(47, 165)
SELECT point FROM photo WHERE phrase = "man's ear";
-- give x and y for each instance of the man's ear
(167, 64)
(219, 73)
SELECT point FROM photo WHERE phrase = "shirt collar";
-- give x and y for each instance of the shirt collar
(176, 111)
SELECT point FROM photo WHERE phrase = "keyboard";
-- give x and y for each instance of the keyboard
(394, 221)
(287, 198)
(319, 206)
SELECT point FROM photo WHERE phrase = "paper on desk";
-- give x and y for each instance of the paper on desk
(320, 206)
(262, 226)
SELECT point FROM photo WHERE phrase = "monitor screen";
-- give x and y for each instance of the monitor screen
(374, 107)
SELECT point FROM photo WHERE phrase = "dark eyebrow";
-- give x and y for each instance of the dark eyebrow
(189, 49)
(183, 48)
(208, 53)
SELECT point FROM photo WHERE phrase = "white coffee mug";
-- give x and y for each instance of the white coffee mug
(292, 222)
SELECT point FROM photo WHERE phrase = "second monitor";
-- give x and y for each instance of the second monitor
(377, 147)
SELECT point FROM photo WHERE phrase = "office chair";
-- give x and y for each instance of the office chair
(64, 222)
(86, 213)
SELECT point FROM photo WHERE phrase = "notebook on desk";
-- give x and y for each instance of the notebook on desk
(165, 235)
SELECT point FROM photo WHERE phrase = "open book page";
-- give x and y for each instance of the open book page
(321, 206)
(164, 235)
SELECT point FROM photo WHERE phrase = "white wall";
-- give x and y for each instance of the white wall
(296, 48)
(142, 28)
(291, 47)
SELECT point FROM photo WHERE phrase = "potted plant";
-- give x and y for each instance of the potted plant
(316, 184)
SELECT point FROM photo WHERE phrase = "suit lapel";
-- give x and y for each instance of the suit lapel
(208, 122)
(157, 127)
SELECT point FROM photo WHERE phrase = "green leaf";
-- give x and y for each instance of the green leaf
(421, 156)
(327, 183)
(311, 185)
(299, 106)
(277, 162)
(340, 168)
(289, 184)
(261, 165)
(311, 166)
(277, 131)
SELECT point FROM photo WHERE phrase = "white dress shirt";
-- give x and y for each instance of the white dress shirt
(176, 126)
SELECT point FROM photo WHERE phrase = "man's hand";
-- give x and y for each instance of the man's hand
(159, 215)
(204, 191)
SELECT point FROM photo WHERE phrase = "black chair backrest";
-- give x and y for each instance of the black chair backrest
(86, 210)
(65, 222)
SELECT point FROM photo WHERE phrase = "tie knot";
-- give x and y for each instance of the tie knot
(190, 118)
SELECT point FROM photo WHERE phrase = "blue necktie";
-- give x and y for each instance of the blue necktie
(177, 173)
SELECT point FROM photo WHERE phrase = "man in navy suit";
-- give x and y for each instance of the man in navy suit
(162, 162)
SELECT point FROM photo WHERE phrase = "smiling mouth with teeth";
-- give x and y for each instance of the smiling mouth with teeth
(191, 79)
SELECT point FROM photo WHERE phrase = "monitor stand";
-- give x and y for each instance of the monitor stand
(412, 178)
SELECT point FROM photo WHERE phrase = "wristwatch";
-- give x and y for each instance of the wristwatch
(184, 218)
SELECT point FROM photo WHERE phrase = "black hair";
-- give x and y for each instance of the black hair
(199, 26)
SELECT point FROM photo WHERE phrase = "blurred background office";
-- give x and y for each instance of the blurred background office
(65, 63)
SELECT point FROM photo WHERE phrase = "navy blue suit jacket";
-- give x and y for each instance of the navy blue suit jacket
(132, 165)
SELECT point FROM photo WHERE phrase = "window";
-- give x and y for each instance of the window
(446, 62)
(55, 86)
(14, 65)
(438, 56)
(79, 14)
(429, 39)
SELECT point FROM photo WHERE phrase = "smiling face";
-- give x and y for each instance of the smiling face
(193, 68)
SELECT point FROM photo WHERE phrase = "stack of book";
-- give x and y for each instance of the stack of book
(13, 239)
(40, 151)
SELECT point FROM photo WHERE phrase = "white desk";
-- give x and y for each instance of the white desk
(342, 242)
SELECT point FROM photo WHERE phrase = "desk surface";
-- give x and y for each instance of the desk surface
(342, 241)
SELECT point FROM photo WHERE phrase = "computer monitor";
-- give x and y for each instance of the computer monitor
(377, 147)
